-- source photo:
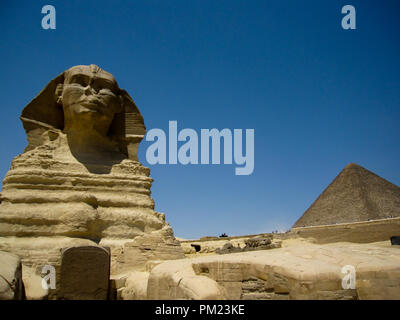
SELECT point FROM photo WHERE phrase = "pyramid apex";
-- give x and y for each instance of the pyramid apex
(352, 165)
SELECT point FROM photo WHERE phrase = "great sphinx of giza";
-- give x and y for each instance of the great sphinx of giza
(79, 181)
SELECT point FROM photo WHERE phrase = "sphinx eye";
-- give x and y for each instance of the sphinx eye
(106, 91)
(79, 80)
(100, 85)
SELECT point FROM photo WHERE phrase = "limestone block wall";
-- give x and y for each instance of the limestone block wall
(358, 232)
(306, 271)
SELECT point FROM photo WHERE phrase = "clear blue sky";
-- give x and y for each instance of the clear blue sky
(317, 96)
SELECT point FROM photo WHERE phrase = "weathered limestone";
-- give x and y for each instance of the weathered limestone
(11, 286)
(252, 244)
(228, 248)
(223, 245)
(358, 232)
(157, 245)
(79, 181)
(85, 273)
(33, 285)
(135, 286)
(299, 270)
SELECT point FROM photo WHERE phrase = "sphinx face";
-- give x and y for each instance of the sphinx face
(89, 99)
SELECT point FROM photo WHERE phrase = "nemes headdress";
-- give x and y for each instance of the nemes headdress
(44, 113)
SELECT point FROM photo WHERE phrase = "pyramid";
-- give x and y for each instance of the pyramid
(355, 195)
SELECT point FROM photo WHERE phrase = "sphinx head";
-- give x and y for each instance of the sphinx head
(90, 99)
(86, 103)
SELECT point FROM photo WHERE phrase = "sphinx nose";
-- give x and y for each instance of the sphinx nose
(88, 90)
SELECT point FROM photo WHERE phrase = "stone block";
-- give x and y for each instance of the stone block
(85, 273)
(11, 286)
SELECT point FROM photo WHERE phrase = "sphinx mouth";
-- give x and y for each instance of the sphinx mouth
(92, 104)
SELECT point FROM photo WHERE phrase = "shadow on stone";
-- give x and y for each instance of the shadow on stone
(395, 240)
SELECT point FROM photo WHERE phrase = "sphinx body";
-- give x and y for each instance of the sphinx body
(79, 181)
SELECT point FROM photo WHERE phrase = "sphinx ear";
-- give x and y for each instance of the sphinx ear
(43, 113)
(58, 93)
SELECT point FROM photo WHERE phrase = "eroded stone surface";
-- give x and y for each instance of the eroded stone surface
(33, 285)
(79, 177)
(212, 245)
(85, 273)
(10, 277)
(298, 271)
(135, 286)
(358, 232)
